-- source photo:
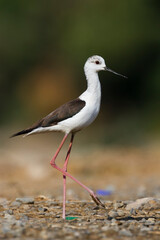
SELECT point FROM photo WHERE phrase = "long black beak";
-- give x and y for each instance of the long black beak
(109, 70)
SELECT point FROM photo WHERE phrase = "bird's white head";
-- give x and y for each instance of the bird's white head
(95, 64)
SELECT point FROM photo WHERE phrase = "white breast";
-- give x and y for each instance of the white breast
(87, 114)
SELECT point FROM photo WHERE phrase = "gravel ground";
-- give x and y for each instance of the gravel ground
(129, 176)
(40, 218)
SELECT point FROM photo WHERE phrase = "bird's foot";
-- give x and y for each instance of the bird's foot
(97, 200)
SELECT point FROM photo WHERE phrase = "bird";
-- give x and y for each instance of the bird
(72, 117)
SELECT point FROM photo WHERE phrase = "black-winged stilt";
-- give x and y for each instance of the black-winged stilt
(74, 116)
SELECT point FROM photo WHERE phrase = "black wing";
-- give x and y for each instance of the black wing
(65, 111)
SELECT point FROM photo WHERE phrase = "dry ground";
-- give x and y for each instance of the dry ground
(25, 168)
(130, 172)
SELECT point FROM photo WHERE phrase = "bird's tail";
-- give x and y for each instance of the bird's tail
(25, 131)
(28, 130)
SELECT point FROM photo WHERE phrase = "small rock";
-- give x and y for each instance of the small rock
(16, 204)
(27, 200)
(41, 198)
(133, 212)
(114, 222)
(149, 222)
(120, 213)
(151, 219)
(77, 234)
(3, 202)
(126, 224)
(138, 203)
(10, 219)
(152, 204)
(6, 228)
(117, 205)
(24, 218)
(10, 211)
(143, 220)
(8, 216)
(113, 214)
(131, 227)
(107, 222)
(144, 229)
(105, 228)
(42, 209)
(108, 204)
(49, 214)
(125, 232)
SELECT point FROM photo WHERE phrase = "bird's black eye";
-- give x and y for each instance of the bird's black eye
(97, 62)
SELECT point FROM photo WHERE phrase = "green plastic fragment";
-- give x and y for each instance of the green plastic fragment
(71, 218)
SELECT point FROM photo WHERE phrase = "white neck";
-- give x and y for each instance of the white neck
(93, 83)
(92, 80)
(93, 91)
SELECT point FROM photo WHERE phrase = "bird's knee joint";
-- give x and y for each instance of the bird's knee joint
(53, 164)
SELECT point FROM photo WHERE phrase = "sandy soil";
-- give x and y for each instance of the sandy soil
(25, 168)
(128, 172)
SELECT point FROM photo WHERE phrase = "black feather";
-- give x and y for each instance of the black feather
(21, 133)
(65, 111)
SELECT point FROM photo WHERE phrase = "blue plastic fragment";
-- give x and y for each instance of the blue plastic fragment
(102, 192)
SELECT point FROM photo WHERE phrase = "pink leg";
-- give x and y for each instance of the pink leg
(58, 150)
(64, 176)
(53, 164)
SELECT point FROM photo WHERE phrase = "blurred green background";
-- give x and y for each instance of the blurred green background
(44, 45)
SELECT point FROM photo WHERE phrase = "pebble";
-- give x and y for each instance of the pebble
(120, 213)
(148, 223)
(43, 220)
(151, 219)
(152, 204)
(24, 218)
(143, 220)
(27, 200)
(117, 205)
(113, 214)
(131, 227)
(16, 204)
(105, 228)
(114, 222)
(138, 203)
(133, 211)
(6, 228)
(42, 209)
(125, 232)
(10, 211)
(145, 229)
(9, 217)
